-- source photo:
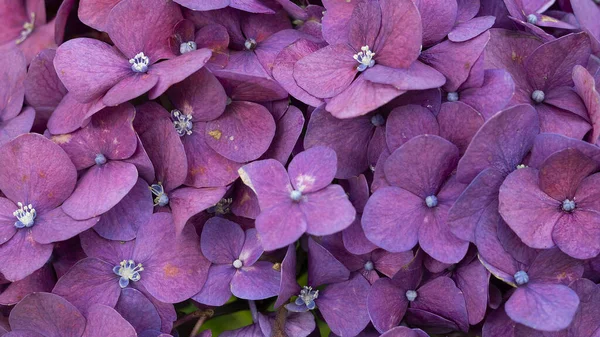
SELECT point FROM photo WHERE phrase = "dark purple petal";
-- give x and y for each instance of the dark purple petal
(42, 280)
(323, 267)
(221, 240)
(256, 282)
(22, 255)
(106, 321)
(216, 291)
(344, 306)
(386, 304)
(137, 310)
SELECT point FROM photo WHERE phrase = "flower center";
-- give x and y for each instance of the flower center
(296, 195)
(100, 159)
(538, 96)
(307, 297)
(250, 44)
(128, 270)
(237, 264)
(27, 28)
(25, 215)
(521, 277)
(139, 63)
(452, 96)
(187, 47)
(365, 58)
(568, 205)
(520, 166)
(431, 201)
(411, 295)
(377, 120)
(160, 197)
(182, 122)
(531, 18)
(369, 266)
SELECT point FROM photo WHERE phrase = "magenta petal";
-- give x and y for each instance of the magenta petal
(127, 26)
(13, 71)
(280, 225)
(106, 321)
(459, 123)
(360, 98)
(243, 133)
(56, 225)
(438, 18)
(344, 306)
(392, 217)
(73, 66)
(177, 69)
(422, 165)
(102, 286)
(283, 70)
(335, 20)
(95, 13)
(323, 267)
(441, 297)
(17, 126)
(313, 169)
(577, 234)
(455, 60)
(174, 267)
(256, 282)
(71, 115)
(386, 304)
(123, 220)
(186, 202)
(545, 307)
(42, 280)
(326, 72)
(129, 88)
(337, 216)
(288, 130)
(399, 41)
(222, 240)
(137, 309)
(585, 86)
(84, 204)
(467, 30)
(47, 314)
(22, 255)
(216, 291)
(473, 280)
(210, 169)
(142, 162)
(289, 286)
(418, 76)
(562, 173)
(484, 152)
(27, 179)
(200, 95)
(206, 5)
(528, 211)
(351, 147)
(496, 91)
(364, 24)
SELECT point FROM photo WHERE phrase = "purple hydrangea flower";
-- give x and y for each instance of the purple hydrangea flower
(415, 207)
(299, 200)
(235, 269)
(140, 31)
(37, 177)
(162, 266)
(555, 205)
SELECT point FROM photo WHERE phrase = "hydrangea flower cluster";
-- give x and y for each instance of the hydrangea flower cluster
(299, 168)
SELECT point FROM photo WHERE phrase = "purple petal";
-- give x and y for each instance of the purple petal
(323, 267)
(545, 307)
(17, 126)
(243, 133)
(344, 306)
(269, 180)
(289, 286)
(326, 72)
(280, 225)
(484, 152)
(418, 76)
(467, 30)
(13, 71)
(123, 220)
(137, 310)
(438, 18)
(459, 123)
(22, 255)
(186, 202)
(127, 26)
(106, 321)
(177, 69)
(441, 297)
(71, 115)
(313, 169)
(408, 121)
(27, 178)
(497, 89)
(200, 95)
(95, 13)
(562, 173)
(84, 204)
(387, 304)
(56, 225)
(216, 291)
(129, 88)
(288, 130)
(473, 280)
(399, 41)
(101, 285)
(42, 280)
(73, 66)
(256, 282)
(337, 216)
(585, 86)
(47, 314)
(252, 249)
(221, 240)
(174, 267)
